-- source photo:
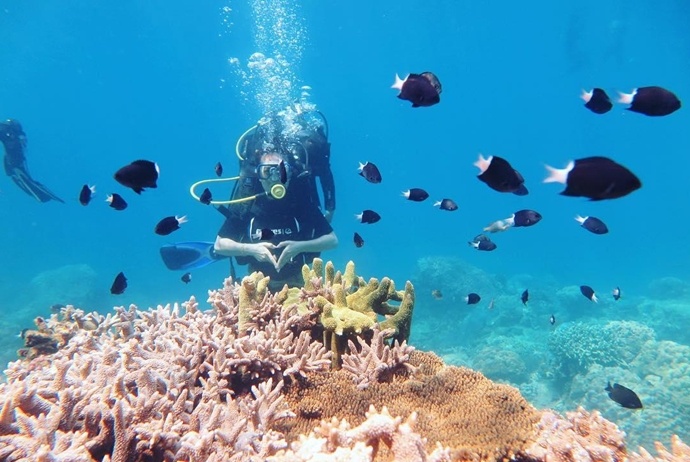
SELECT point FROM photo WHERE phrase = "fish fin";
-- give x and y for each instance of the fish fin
(626, 98)
(398, 82)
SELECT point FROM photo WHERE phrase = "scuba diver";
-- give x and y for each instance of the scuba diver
(274, 220)
(14, 139)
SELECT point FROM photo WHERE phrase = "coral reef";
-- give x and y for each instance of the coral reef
(177, 383)
(349, 308)
(579, 345)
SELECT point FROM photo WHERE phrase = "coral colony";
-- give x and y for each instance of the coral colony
(321, 372)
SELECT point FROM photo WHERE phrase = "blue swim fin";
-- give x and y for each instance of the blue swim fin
(189, 255)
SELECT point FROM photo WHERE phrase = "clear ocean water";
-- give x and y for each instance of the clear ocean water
(97, 85)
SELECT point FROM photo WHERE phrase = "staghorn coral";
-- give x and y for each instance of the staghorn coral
(340, 442)
(159, 385)
(581, 436)
(680, 452)
(376, 362)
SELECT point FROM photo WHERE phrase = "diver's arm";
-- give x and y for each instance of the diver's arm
(293, 248)
(261, 251)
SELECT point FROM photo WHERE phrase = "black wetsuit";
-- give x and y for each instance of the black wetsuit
(14, 140)
(290, 219)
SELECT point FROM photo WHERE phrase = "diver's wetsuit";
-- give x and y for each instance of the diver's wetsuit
(14, 139)
(289, 219)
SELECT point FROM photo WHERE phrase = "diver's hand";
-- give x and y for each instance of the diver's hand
(261, 252)
(290, 250)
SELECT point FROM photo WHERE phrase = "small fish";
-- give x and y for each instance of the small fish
(56, 307)
(420, 89)
(219, 169)
(623, 396)
(446, 204)
(138, 175)
(497, 226)
(492, 303)
(597, 178)
(85, 194)
(169, 224)
(481, 242)
(359, 242)
(22, 333)
(651, 101)
(588, 292)
(263, 234)
(415, 194)
(523, 218)
(616, 293)
(592, 224)
(472, 298)
(370, 172)
(436, 294)
(552, 320)
(597, 101)
(283, 172)
(206, 197)
(186, 277)
(116, 201)
(499, 175)
(368, 216)
(524, 297)
(119, 284)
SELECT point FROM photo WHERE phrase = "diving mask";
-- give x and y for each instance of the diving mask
(274, 178)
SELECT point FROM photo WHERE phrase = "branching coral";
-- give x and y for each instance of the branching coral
(377, 362)
(159, 385)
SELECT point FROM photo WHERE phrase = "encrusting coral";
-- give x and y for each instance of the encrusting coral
(179, 384)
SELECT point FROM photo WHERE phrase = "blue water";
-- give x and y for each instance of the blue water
(96, 87)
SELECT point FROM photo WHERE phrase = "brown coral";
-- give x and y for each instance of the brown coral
(457, 407)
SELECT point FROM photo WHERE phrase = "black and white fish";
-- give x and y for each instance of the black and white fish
(597, 101)
(552, 320)
(116, 201)
(219, 169)
(524, 218)
(446, 204)
(623, 396)
(359, 242)
(499, 175)
(206, 197)
(138, 175)
(482, 242)
(588, 292)
(186, 278)
(616, 293)
(263, 234)
(169, 224)
(415, 194)
(524, 297)
(592, 224)
(436, 293)
(597, 178)
(472, 298)
(651, 101)
(368, 217)
(420, 89)
(119, 284)
(370, 172)
(86, 193)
